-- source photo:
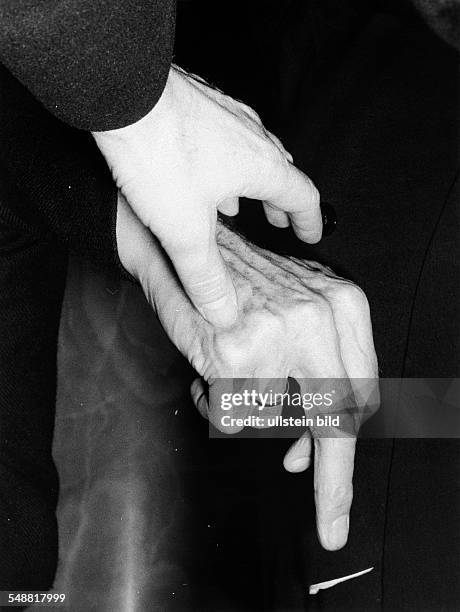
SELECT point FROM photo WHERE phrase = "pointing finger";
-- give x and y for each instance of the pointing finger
(334, 462)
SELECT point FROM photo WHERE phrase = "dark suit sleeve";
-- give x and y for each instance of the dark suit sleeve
(60, 180)
(95, 64)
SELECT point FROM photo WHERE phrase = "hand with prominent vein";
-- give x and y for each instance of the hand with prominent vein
(296, 319)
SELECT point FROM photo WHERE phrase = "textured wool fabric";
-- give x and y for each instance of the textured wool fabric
(32, 277)
(95, 64)
(61, 181)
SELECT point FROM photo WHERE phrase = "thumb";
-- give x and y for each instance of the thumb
(205, 279)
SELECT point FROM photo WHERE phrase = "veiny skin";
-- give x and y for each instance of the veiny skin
(195, 152)
(296, 318)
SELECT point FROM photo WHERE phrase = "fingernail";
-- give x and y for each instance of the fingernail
(221, 313)
(338, 532)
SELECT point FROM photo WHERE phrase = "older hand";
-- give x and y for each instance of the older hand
(296, 319)
(195, 152)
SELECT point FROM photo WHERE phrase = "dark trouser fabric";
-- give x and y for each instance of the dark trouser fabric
(365, 97)
(32, 276)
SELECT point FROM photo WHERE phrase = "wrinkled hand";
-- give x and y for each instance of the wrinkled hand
(295, 319)
(197, 151)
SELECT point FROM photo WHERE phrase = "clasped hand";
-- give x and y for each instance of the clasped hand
(195, 152)
(296, 319)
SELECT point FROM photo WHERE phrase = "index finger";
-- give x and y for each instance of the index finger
(286, 188)
(333, 478)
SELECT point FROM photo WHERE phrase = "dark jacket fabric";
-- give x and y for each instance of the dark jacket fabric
(60, 180)
(95, 64)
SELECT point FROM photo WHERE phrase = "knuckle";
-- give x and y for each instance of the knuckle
(314, 197)
(280, 172)
(334, 498)
(231, 350)
(350, 296)
(275, 161)
(243, 347)
(310, 192)
(271, 167)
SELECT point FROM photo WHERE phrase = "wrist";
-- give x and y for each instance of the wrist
(128, 150)
(156, 115)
